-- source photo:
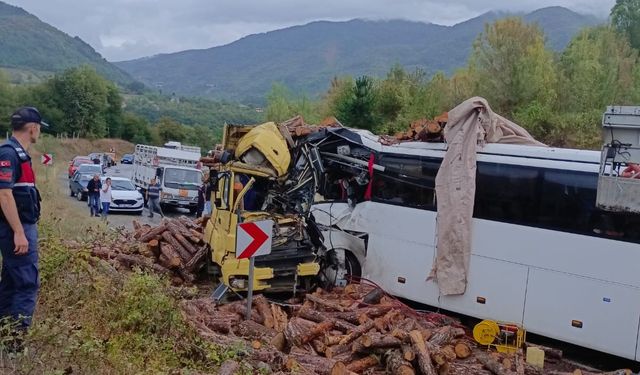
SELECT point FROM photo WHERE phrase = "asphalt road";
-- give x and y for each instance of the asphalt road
(120, 218)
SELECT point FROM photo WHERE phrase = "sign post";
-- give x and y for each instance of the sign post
(253, 239)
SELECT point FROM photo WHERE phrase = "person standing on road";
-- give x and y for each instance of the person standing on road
(153, 196)
(19, 213)
(202, 189)
(93, 186)
(105, 198)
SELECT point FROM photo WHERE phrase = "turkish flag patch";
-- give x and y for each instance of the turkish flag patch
(5, 163)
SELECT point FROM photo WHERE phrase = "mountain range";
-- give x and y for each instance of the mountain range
(306, 57)
(31, 47)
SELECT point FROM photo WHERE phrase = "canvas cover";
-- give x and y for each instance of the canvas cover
(470, 124)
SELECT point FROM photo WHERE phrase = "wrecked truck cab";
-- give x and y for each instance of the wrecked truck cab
(255, 182)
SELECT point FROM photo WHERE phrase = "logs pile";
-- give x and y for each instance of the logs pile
(174, 248)
(351, 330)
(422, 130)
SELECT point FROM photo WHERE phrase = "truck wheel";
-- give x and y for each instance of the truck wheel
(334, 269)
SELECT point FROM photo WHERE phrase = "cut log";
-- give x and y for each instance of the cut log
(252, 330)
(445, 335)
(172, 259)
(330, 340)
(312, 363)
(186, 276)
(362, 364)
(422, 353)
(379, 341)
(408, 354)
(142, 262)
(462, 350)
(279, 341)
(319, 330)
(296, 329)
(357, 332)
(181, 234)
(196, 237)
(373, 297)
(492, 365)
(195, 262)
(397, 365)
(340, 369)
(449, 352)
(185, 256)
(153, 247)
(153, 233)
(318, 346)
(384, 322)
(324, 303)
(333, 351)
(279, 318)
(264, 309)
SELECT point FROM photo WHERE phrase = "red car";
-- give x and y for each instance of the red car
(75, 163)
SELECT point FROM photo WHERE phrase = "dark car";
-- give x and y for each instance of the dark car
(127, 159)
(78, 185)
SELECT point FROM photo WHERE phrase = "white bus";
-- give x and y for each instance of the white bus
(542, 255)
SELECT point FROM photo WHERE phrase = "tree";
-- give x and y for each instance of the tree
(357, 108)
(6, 102)
(625, 17)
(135, 129)
(170, 130)
(278, 103)
(513, 66)
(82, 95)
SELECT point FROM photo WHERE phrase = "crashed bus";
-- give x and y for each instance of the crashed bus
(542, 253)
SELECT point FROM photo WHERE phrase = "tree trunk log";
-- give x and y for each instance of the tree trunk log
(397, 365)
(325, 303)
(264, 309)
(424, 357)
(153, 233)
(172, 258)
(309, 362)
(462, 350)
(362, 364)
(183, 253)
(296, 329)
(252, 330)
(279, 318)
(379, 341)
(445, 335)
(357, 332)
(492, 365)
(181, 235)
(408, 353)
(195, 262)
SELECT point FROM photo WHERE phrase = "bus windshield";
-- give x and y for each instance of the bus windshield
(182, 178)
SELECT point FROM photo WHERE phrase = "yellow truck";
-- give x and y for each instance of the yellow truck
(263, 174)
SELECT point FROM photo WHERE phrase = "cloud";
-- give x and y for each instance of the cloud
(126, 29)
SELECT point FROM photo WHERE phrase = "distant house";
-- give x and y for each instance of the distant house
(259, 110)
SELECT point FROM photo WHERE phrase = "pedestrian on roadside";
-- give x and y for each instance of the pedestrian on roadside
(105, 198)
(93, 195)
(202, 190)
(153, 196)
(19, 213)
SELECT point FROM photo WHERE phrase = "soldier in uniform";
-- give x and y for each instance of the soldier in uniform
(20, 211)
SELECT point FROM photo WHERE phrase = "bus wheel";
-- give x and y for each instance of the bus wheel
(337, 266)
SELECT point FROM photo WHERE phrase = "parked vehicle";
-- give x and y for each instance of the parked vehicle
(89, 169)
(78, 185)
(76, 162)
(175, 171)
(124, 196)
(127, 159)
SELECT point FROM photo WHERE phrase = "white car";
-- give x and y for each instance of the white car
(124, 196)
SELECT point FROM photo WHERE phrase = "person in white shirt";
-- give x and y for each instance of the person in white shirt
(105, 198)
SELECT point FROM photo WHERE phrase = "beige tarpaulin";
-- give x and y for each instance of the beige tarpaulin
(470, 124)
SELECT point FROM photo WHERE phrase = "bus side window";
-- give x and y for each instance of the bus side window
(568, 202)
(507, 193)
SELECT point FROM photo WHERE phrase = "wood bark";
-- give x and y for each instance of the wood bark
(180, 250)
(172, 258)
(279, 341)
(153, 233)
(462, 350)
(309, 362)
(335, 350)
(407, 352)
(196, 261)
(252, 330)
(296, 329)
(280, 319)
(264, 309)
(357, 332)
(325, 303)
(362, 364)
(424, 357)
(397, 365)
(445, 335)
(492, 365)
(379, 341)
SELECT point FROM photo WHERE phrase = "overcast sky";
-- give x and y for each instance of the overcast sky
(127, 29)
